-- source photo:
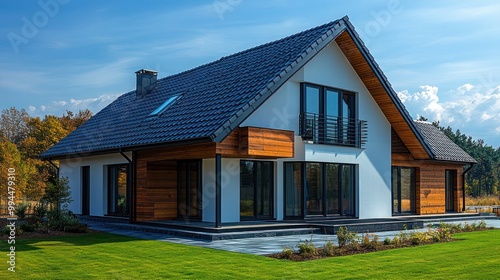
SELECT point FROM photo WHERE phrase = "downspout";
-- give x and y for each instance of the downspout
(131, 182)
(463, 185)
(55, 166)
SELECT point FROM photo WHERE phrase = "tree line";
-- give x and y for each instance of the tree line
(484, 177)
(22, 139)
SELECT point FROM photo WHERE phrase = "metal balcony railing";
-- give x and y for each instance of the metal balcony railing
(332, 130)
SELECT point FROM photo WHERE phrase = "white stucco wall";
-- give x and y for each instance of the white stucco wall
(71, 168)
(281, 111)
(230, 189)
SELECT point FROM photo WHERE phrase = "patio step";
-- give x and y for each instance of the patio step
(208, 236)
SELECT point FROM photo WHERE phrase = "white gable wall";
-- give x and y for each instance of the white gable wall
(71, 168)
(282, 109)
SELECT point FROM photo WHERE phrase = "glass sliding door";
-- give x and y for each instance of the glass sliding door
(293, 189)
(347, 181)
(118, 189)
(256, 189)
(403, 190)
(314, 189)
(328, 188)
(332, 189)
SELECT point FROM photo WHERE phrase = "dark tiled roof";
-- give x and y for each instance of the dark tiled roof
(214, 98)
(442, 146)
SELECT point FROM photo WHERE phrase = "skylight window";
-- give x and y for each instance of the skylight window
(164, 106)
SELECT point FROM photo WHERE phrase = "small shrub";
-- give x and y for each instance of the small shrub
(329, 249)
(287, 253)
(346, 238)
(306, 247)
(387, 241)
(40, 210)
(21, 210)
(396, 241)
(482, 224)
(28, 227)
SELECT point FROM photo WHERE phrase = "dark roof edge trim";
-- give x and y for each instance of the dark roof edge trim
(127, 149)
(387, 86)
(280, 79)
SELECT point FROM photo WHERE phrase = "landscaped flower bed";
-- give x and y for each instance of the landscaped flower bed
(350, 243)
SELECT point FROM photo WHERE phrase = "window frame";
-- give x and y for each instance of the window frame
(112, 189)
(256, 214)
(342, 132)
(324, 200)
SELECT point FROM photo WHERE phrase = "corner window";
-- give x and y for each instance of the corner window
(118, 189)
(328, 116)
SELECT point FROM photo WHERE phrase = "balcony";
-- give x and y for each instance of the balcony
(333, 130)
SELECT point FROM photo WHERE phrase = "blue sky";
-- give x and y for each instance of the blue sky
(442, 57)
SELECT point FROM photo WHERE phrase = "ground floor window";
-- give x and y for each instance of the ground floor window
(189, 189)
(319, 189)
(256, 189)
(118, 190)
(403, 190)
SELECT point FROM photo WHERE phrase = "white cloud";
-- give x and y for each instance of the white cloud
(475, 108)
(59, 107)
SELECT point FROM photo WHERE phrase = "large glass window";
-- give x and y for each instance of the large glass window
(256, 189)
(294, 190)
(327, 187)
(403, 190)
(328, 116)
(118, 188)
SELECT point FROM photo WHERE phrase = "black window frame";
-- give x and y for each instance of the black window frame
(112, 187)
(255, 191)
(319, 127)
(340, 176)
(413, 191)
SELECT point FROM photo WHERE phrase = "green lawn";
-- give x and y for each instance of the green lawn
(109, 256)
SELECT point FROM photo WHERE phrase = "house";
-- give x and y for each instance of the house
(306, 126)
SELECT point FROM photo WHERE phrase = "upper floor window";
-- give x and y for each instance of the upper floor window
(328, 116)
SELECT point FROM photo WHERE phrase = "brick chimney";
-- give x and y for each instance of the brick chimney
(146, 80)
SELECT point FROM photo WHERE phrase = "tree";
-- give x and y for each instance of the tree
(13, 125)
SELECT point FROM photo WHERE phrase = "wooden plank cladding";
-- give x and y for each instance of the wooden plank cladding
(263, 142)
(380, 95)
(244, 142)
(430, 183)
(156, 190)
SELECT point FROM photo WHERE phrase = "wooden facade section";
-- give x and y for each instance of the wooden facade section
(430, 183)
(156, 196)
(156, 169)
(380, 95)
(262, 142)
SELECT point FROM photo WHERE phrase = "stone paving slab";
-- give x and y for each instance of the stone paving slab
(260, 245)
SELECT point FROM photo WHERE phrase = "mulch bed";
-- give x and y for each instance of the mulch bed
(36, 234)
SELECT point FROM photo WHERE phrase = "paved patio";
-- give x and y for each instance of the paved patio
(261, 245)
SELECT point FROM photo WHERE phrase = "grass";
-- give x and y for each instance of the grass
(486, 200)
(103, 255)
